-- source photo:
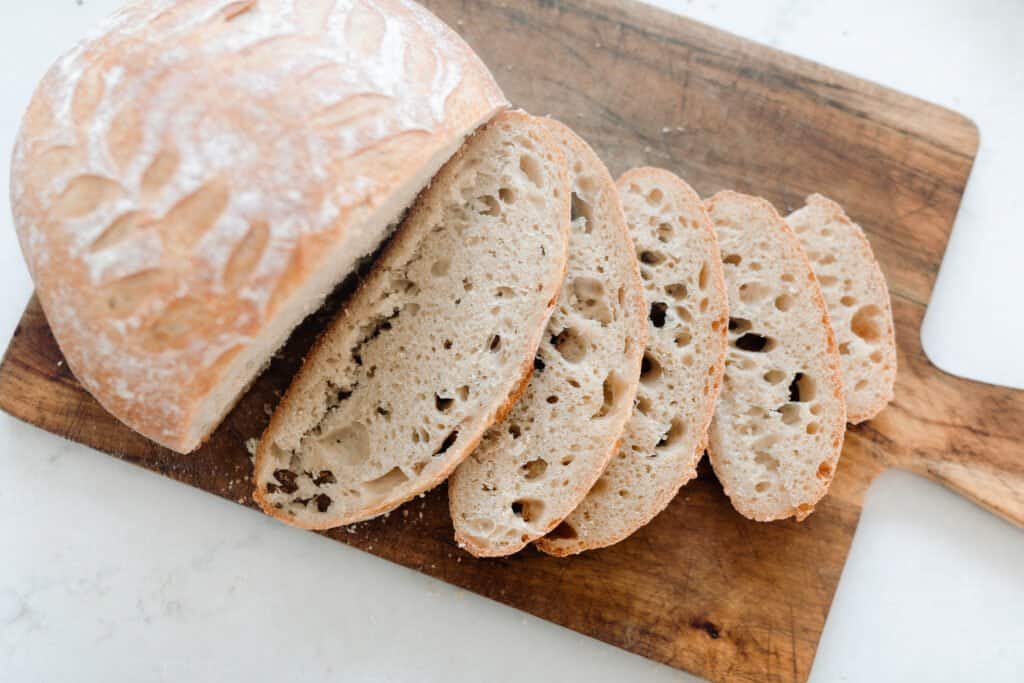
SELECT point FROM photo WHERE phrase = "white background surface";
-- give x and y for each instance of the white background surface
(110, 573)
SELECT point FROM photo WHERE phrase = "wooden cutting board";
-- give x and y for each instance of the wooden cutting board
(700, 588)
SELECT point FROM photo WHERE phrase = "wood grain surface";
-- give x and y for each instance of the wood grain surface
(701, 588)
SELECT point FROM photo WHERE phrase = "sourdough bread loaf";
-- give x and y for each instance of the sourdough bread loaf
(531, 470)
(858, 303)
(778, 427)
(435, 346)
(191, 181)
(682, 369)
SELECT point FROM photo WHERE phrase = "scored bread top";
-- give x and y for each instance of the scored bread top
(778, 428)
(532, 469)
(858, 302)
(682, 369)
(436, 344)
(193, 179)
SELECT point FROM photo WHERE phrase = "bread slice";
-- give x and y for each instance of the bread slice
(435, 346)
(778, 427)
(534, 468)
(858, 303)
(685, 357)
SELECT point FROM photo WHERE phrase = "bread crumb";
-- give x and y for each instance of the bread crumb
(268, 409)
(251, 445)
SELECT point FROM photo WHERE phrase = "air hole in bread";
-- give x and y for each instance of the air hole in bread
(463, 393)
(848, 301)
(844, 349)
(762, 486)
(704, 278)
(582, 210)
(775, 377)
(448, 442)
(755, 343)
(753, 292)
(676, 431)
(827, 281)
(684, 314)
(487, 205)
(552, 399)
(704, 303)
(655, 197)
(528, 509)
(733, 259)
(568, 460)
(803, 389)
(652, 258)
(383, 486)
(443, 404)
(784, 302)
(236, 10)
(867, 323)
(658, 311)
(591, 300)
(813, 428)
(861, 385)
(532, 169)
(826, 259)
(325, 477)
(788, 277)
(504, 292)
(570, 344)
(507, 195)
(816, 409)
(623, 493)
(534, 469)
(650, 369)
(494, 345)
(643, 405)
(538, 364)
(665, 232)
(739, 325)
(611, 390)
(791, 414)
(563, 532)
(285, 482)
(876, 356)
(646, 275)
(441, 267)
(824, 470)
(754, 266)
(349, 445)
(767, 461)
(676, 291)
(683, 339)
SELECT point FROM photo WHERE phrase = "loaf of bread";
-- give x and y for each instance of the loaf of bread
(858, 303)
(435, 346)
(533, 469)
(193, 179)
(780, 420)
(682, 370)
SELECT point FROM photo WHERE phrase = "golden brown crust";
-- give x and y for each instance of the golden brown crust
(186, 183)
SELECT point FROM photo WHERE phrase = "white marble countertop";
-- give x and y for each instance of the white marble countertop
(111, 573)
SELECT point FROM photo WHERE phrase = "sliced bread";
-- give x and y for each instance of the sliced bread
(858, 303)
(682, 369)
(533, 469)
(778, 428)
(437, 343)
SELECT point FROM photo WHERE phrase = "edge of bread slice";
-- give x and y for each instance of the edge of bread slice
(780, 421)
(531, 470)
(857, 296)
(435, 345)
(688, 313)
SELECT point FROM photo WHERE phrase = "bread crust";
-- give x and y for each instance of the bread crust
(833, 376)
(190, 181)
(587, 534)
(404, 241)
